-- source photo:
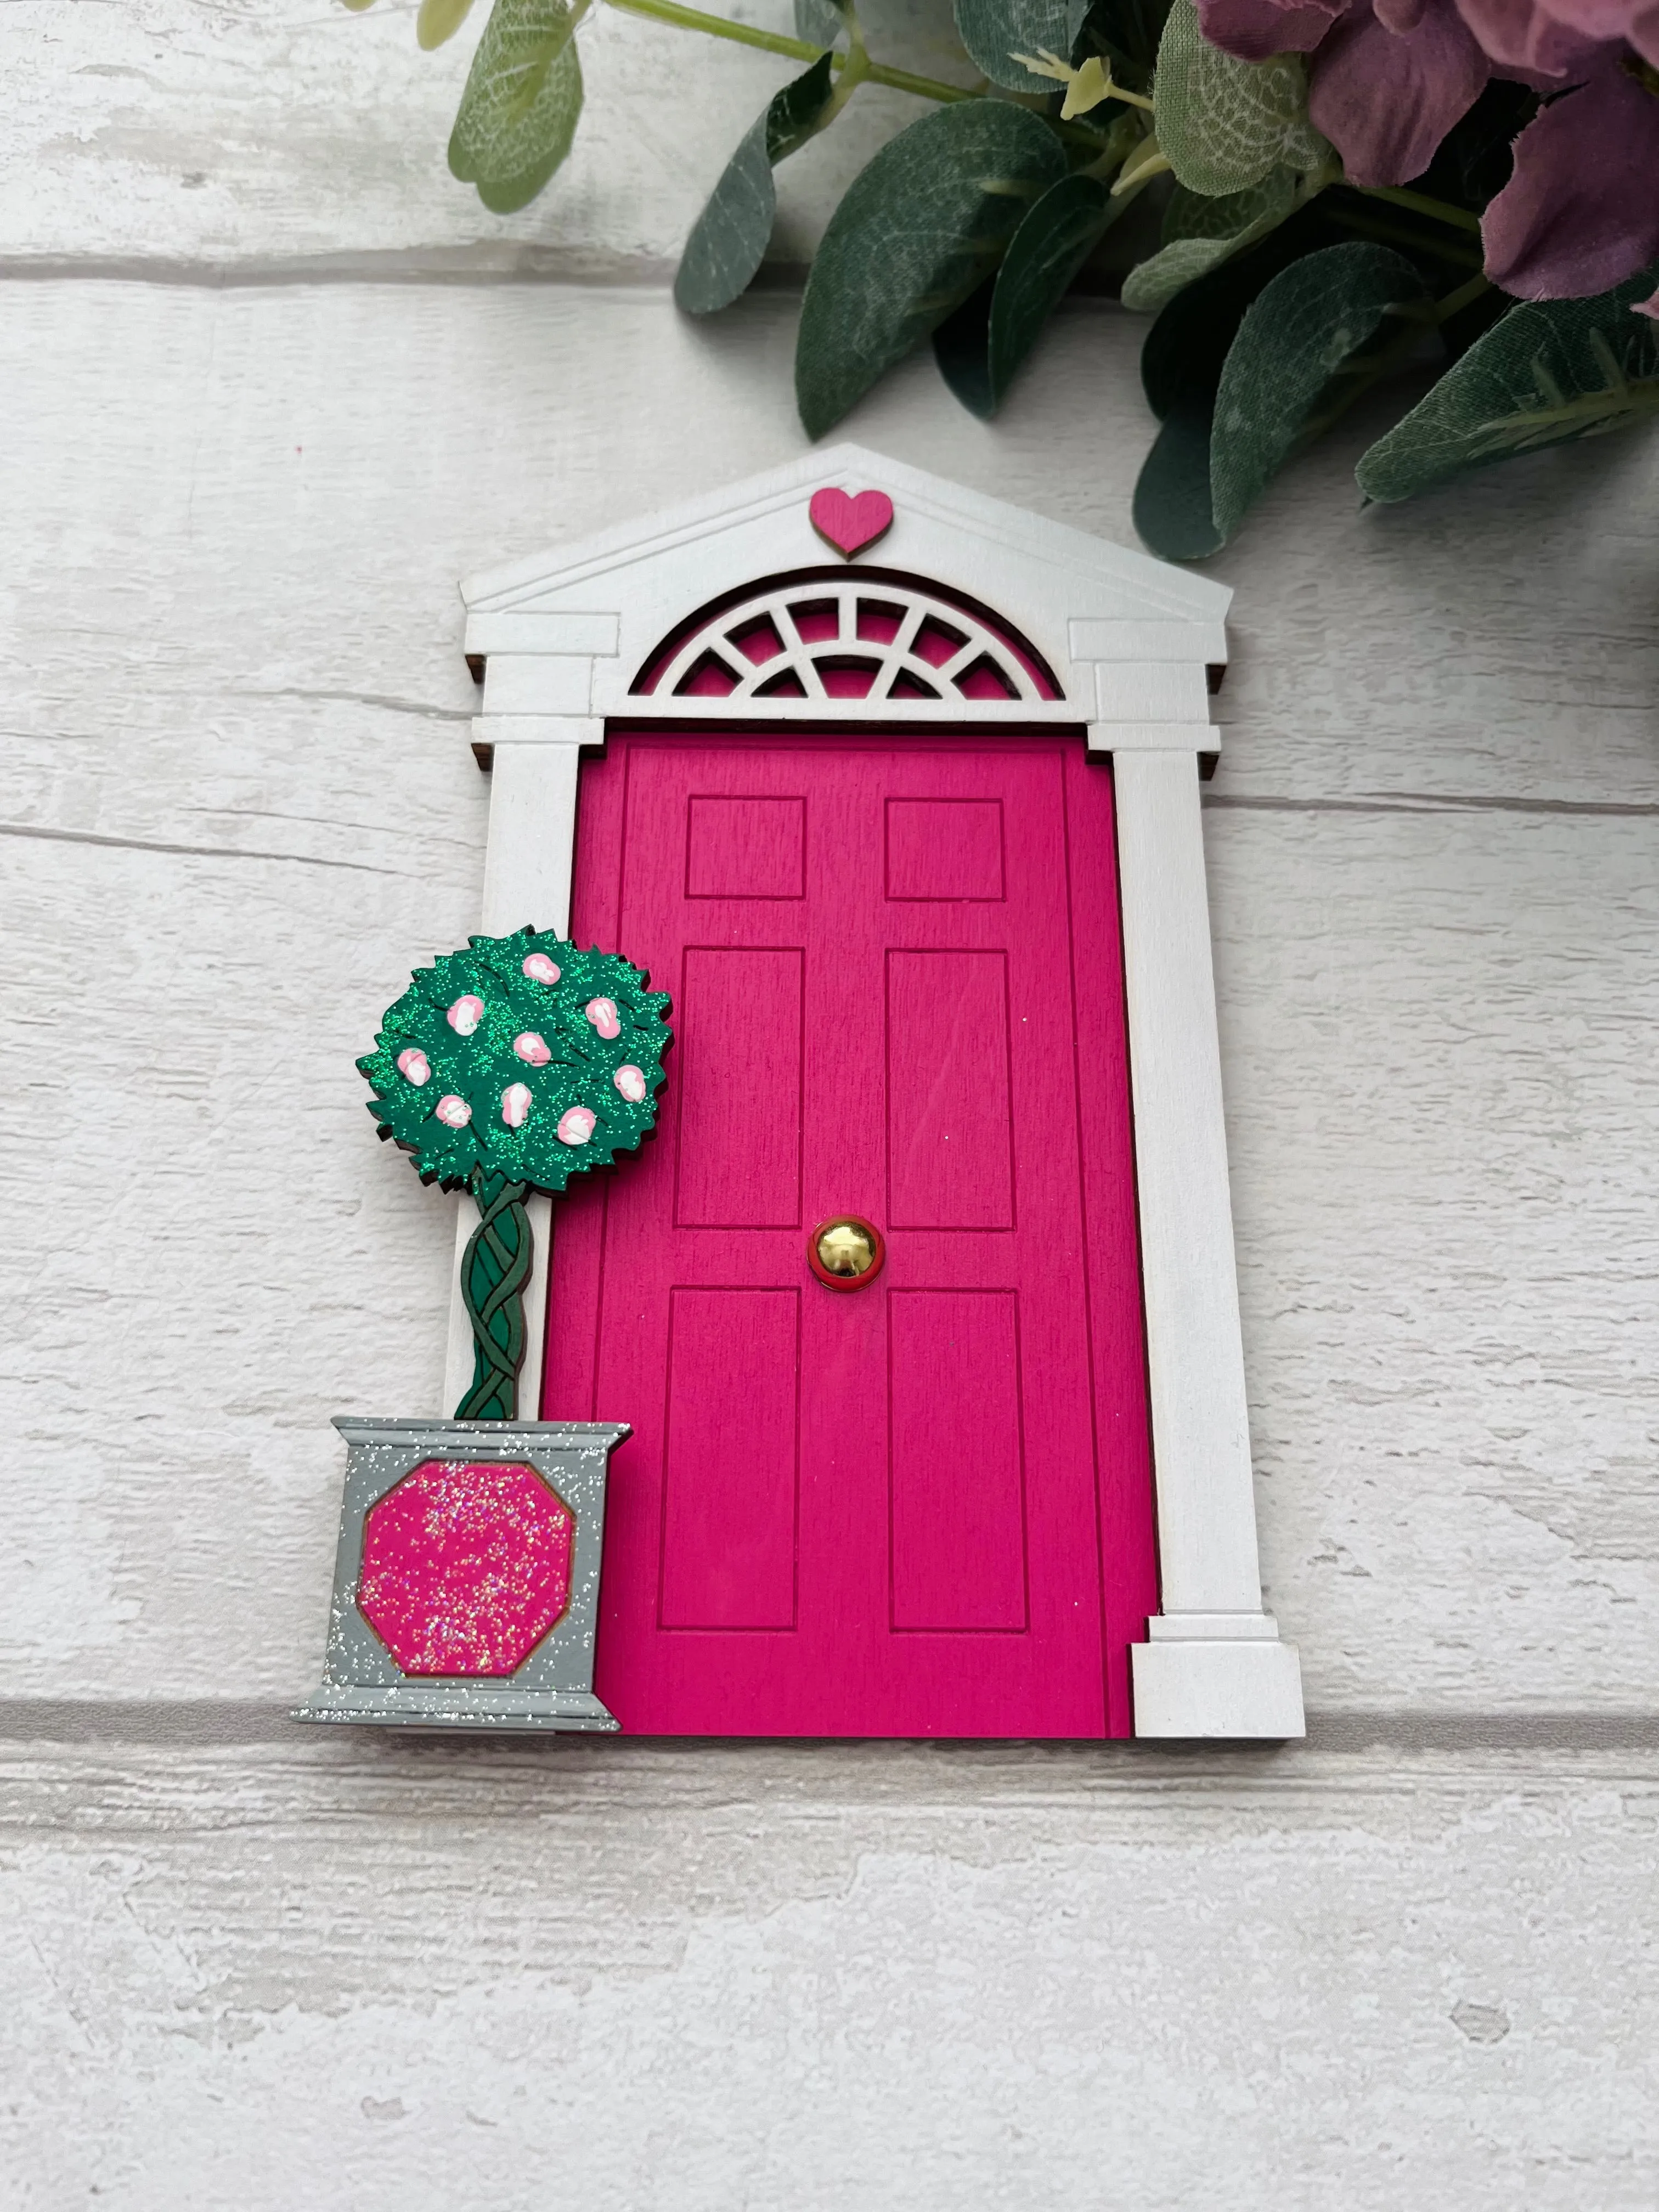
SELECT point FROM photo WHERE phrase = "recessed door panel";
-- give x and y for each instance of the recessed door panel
(737, 1026)
(731, 1459)
(744, 847)
(944, 848)
(956, 1489)
(950, 1134)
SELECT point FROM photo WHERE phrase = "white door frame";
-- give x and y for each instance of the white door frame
(560, 642)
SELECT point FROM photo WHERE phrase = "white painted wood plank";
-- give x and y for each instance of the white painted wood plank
(238, 731)
(416, 1978)
(178, 133)
(1448, 1231)
(1437, 1065)
(286, 485)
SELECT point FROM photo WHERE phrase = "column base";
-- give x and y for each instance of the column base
(1217, 1683)
(455, 1705)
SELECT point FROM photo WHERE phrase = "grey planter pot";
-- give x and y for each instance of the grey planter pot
(552, 1685)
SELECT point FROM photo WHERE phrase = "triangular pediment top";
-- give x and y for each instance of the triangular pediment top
(748, 527)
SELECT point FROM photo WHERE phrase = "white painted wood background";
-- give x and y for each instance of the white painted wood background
(273, 383)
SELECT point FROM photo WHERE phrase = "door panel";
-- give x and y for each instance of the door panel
(950, 1137)
(944, 848)
(743, 848)
(956, 1490)
(882, 1510)
(738, 1020)
(730, 1461)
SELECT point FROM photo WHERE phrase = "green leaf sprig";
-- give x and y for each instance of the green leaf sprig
(1281, 291)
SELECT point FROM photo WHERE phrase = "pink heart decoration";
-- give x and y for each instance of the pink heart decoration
(850, 524)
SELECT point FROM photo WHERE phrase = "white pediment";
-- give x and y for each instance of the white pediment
(609, 600)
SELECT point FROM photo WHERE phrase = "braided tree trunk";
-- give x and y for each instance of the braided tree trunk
(494, 1268)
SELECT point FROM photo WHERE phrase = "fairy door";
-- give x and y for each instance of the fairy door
(919, 1504)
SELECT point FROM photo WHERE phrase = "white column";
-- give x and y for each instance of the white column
(1213, 1665)
(527, 866)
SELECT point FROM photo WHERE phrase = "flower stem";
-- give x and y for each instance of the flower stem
(1442, 210)
(774, 42)
(1125, 135)
(1464, 296)
(1396, 233)
(854, 69)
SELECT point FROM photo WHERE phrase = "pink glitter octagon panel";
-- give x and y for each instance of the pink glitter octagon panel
(465, 1567)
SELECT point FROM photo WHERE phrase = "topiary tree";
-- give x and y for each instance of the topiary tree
(507, 1068)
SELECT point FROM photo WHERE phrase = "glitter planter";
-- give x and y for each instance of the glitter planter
(474, 1546)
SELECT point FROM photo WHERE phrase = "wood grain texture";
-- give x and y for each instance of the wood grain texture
(241, 804)
(1428, 1087)
(390, 1976)
(195, 135)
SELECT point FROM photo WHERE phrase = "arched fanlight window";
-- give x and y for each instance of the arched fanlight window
(827, 634)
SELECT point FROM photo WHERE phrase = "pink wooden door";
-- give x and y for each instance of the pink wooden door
(921, 1507)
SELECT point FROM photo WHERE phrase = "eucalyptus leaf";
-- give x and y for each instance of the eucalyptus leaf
(918, 230)
(820, 22)
(961, 346)
(794, 114)
(1123, 33)
(1300, 340)
(1186, 349)
(729, 238)
(979, 362)
(994, 30)
(1224, 124)
(1201, 233)
(438, 20)
(1043, 260)
(1181, 365)
(1172, 511)
(518, 113)
(1552, 371)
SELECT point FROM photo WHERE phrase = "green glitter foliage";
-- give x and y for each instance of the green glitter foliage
(491, 1053)
(506, 1068)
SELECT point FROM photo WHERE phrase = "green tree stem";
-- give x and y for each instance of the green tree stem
(494, 1268)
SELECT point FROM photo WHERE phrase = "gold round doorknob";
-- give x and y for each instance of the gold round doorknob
(846, 1252)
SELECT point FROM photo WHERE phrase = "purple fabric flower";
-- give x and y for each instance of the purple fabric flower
(1387, 83)
(1252, 30)
(1548, 45)
(1387, 79)
(1580, 214)
(1386, 92)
